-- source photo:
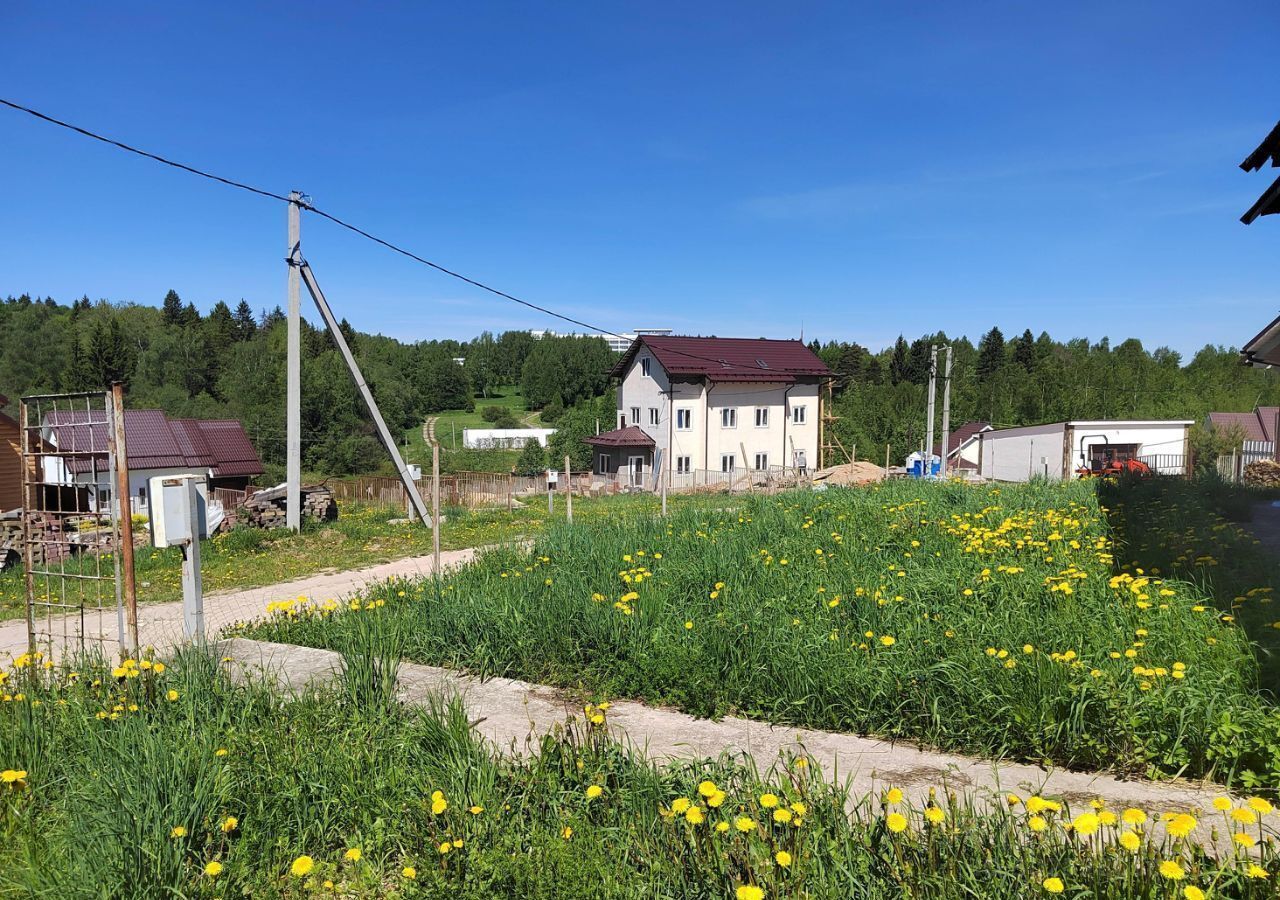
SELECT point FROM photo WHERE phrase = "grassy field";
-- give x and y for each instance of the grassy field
(143, 783)
(361, 536)
(450, 424)
(993, 621)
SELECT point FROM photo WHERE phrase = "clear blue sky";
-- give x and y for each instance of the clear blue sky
(733, 168)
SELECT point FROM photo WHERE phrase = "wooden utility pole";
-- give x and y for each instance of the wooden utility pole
(293, 371)
(946, 411)
(125, 517)
(568, 490)
(435, 506)
(886, 463)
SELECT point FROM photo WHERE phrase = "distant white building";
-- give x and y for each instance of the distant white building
(618, 343)
(503, 438)
(1057, 451)
(718, 404)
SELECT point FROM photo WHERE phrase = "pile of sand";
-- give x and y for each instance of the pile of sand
(849, 473)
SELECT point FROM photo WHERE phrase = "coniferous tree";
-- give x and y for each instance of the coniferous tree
(171, 309)
(990, 354)
(245, 323)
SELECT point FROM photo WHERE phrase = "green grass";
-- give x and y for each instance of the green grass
(450, 423)
(361, 536)
(989, 621)
(184, 784)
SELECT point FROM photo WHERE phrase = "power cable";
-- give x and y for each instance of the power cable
(120, 145)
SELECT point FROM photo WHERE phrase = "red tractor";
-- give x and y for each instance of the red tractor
(1112, 461)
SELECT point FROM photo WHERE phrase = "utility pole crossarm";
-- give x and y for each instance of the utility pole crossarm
(313, 287)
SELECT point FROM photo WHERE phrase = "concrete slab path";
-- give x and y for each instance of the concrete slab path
(160, 624)
(512, 715)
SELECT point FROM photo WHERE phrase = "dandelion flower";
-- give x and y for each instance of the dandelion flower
(748, 892)
(707, 788)
(1172, 870)
(172, 695)
(1260, 805)
(1256, 871)
(893, 797)
(594, 791)
(178, 831)
(680, 805)
(782, 815)
(768, 801)
(1037, 823)
(896, 822)
(782, 858)
(229, 824)
(213, 868)
(353, 854)
(1181, 825)
(1132, 816)
(302, 866)
(744, 823)
(1191, 892)
(409, 872)
(935, 815)
(694, 815)
(1130, 841)
(1053, 885)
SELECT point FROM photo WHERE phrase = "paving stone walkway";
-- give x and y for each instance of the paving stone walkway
(511, 715)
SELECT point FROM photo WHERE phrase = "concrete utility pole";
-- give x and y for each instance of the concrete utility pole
(946, 411)
(933, 390)
(293, 389)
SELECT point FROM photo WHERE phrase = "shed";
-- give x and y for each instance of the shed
(1056, 450)
(10, 461)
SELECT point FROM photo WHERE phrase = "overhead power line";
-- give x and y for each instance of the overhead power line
(240, 185)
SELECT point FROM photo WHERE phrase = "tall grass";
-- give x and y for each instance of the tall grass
(226, 790)
(990, 621)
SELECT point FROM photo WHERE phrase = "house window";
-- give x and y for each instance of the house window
(604, 463)
(653, 415)
(797, 415)
(644, 367)
(635, 414)
(726, 462)
(729, 417)
(762, 461)
(684, 465)
(762, 417)
(622, 420)
(684, 419)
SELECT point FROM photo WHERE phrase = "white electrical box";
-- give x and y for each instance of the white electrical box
(177, 504)
(553, 477)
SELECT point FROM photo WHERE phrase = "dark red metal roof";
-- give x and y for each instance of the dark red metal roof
(631, 436)
(1256, 425)
(728, 359)
(959, 436)
(152, 441)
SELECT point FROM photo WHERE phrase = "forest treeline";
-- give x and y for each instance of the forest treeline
(229, 363)
(880, 397)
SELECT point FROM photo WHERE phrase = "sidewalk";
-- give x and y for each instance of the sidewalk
(512, 715)
(160, 624)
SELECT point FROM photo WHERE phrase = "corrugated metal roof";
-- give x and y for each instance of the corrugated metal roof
(631, 436)
(959, 436)
(1256, 425)
(728, 359)
(153, 441)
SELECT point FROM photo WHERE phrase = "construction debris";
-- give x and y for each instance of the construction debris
(850, 473)
(266, 509)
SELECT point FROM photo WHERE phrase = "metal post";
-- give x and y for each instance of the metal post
(192, 586)
(568, 490)
(435, 506)
(125, 516)
(30, 462)
(928, 429)
(946, 411)
(313, 287)
(293, 387)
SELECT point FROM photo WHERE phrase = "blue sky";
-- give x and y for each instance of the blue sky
(855, 170)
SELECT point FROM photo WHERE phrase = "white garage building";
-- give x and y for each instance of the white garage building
(1055, 451)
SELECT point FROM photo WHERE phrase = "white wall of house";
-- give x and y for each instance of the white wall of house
(1056, 450)
(969, 451)
(55, 472)
(704, 440)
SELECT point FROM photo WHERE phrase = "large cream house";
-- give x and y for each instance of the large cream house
(718, 404)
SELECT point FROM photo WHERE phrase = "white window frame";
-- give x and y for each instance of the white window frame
(762, 462)
(762, 417)
(684, 419)
(728, 462)
(653, 415)
(684, 465)
(635, 415)
(729, 417)
(603, 462)
(644, 366)
(798, 414)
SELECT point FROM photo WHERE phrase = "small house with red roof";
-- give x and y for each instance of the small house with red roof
(719, 404)
(155, 445)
